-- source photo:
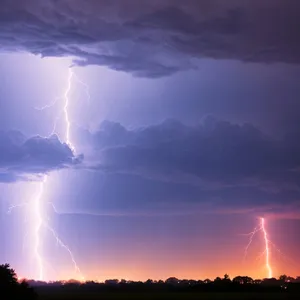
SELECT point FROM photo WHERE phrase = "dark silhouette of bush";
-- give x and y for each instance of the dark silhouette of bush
(10, 288)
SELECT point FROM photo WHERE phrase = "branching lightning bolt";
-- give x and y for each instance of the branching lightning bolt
(251, 234)
(261, 228)
(39, 221)
(268, 245)
(65, 97)
(67, 139)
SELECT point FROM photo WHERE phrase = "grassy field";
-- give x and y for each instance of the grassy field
(165, 295)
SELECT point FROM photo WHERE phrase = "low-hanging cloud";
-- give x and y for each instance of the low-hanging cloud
(24, 158)
(153, 38)
(237, 167)
(217, 150)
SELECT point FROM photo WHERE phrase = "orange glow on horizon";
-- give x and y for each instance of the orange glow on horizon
(192, 259)
(159, 271)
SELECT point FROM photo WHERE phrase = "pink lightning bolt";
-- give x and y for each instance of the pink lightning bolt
(267, 249)
(261, 227)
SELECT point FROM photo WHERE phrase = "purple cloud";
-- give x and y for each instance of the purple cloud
(153, 38)
(21, 157)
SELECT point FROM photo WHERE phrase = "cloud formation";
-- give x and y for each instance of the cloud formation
(214, 149)
(237, 167)
(153, 38)
(24, 158)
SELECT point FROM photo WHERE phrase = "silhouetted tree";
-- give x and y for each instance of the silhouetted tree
(226, 280)
(149, 281)
(26, 292)
(194, 282)
(226, 277)
(8, 276)
(257, 281)
(172, 280)
(10, 288)
(111, 281)
(207, 281)
(238, 280)
(283, 278)
(242, 280)
(270, 281)
(248, 279)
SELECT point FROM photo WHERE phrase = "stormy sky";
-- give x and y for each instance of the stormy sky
(184, 131)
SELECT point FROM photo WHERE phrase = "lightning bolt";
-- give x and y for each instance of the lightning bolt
(267, 245)
(63, 245)
(261, 228)
(251, 234)
(38, 224)
(48, 105)
(71, 75)
(55, 123)
(66, 106)
(86, 87)
(267, 248)
(13, 207)
(35, 204)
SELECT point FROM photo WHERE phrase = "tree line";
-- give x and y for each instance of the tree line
(26, 290)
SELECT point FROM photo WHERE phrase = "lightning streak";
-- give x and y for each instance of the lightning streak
(60, 242)
(37, 213)
(261, 227)
(38, 224)
(65, 98)
(66, 106)
(267, 249)
(13, 207)
(86, 87)
(55, 124)
(67, 139)
(251, 234)
(49, 105)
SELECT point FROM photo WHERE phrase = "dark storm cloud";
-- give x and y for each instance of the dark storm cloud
(123, 193)
(153, 38)
(22, 158)
(217, 150)
(236, 167)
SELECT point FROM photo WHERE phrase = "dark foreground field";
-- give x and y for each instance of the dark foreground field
(112, 295)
